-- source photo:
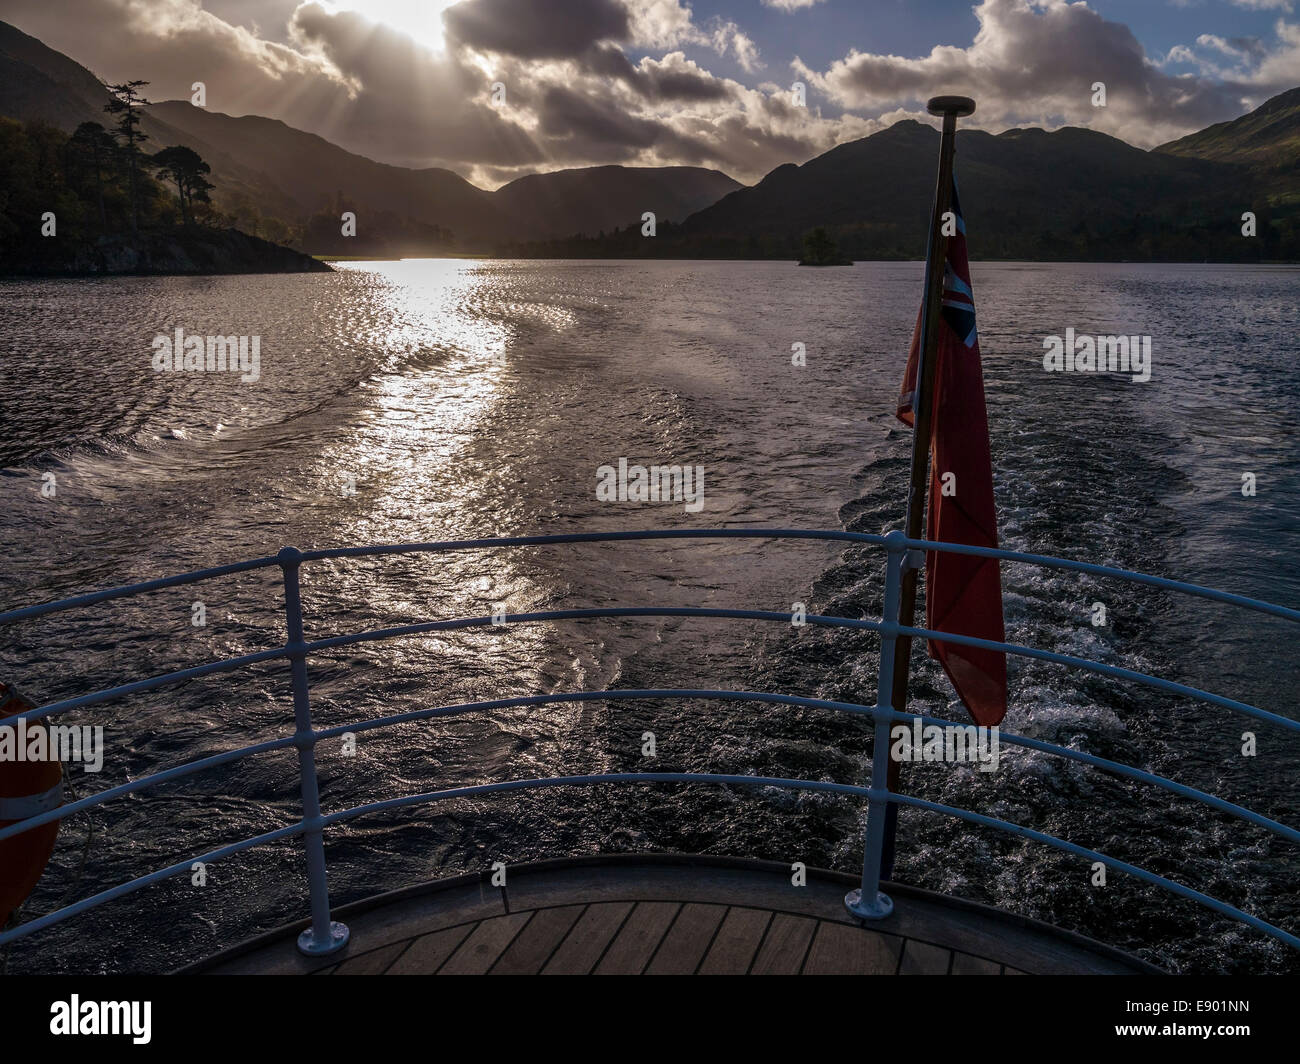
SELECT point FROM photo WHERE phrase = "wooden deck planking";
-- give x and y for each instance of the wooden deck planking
(375, 962)
(673, 916)
(638, 938)
(736, 944)
(684, 946)
(587, 941)
(965, 964)
(921, 958)
(484, 945)
(785, 945)
(430, 952)
(539, 939)
(845, 949)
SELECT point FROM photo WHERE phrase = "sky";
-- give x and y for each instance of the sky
(494, 89)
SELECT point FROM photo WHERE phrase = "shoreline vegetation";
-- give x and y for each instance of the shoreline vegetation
(92, 203)
(819, 249)
(177, 252)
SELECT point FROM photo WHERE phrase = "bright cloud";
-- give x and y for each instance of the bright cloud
(1037, 63)
(643, 82)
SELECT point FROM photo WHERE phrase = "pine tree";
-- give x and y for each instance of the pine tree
(188, 170)
(125, 105)
(92, 145)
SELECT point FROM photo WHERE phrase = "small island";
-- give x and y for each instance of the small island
(820, 249)
(95, 203)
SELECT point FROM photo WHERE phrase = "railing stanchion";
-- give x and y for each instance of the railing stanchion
(324, 935)
(868, 903)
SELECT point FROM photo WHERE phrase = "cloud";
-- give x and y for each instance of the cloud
(790, 6)
(1036, 64)
(1244, 48)
(173, 43)
(661, 24)
(1264, 5)
(410, 105)
(677, 78)
(1248, 66)
(532, 30)
(728, 37)
(598, 81)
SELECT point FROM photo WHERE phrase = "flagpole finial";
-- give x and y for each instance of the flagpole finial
(961, 106)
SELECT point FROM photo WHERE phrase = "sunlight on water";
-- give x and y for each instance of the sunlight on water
(408, 470)
(425, 412)
(453, 399)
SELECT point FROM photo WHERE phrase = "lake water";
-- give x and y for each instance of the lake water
(432, 399)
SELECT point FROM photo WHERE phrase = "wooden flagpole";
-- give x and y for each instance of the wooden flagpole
(951, 108)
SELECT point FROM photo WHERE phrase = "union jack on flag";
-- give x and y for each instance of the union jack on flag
(958, 300)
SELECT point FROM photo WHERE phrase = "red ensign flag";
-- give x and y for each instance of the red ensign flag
(963, 593)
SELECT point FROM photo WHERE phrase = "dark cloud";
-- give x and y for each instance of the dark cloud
(610, 62)
(566, 114)
(682, 85)
(537, 29)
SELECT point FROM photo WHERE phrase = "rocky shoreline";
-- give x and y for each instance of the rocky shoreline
(179, 251)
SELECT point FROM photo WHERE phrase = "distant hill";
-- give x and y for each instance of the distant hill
(1028, 193)
(264, 169)
(313, 173)
(37, 82)
(564, 202)
(1267, 141)
(1072, 193)
(586, 201)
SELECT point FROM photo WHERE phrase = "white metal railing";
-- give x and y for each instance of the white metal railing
(324, 935)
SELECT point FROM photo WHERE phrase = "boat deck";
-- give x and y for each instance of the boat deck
(672, 915)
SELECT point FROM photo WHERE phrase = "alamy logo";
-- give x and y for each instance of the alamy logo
(133, 1018)
(1098, 354)
(55, 742)
(208, 354)
(953, 743)
(656, 483)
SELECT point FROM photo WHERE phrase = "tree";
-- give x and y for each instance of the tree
(187, 169)
(820, 249)
(91, 146)
(125, 105)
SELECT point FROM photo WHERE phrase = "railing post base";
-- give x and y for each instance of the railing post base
(875, 910)
(338, 938)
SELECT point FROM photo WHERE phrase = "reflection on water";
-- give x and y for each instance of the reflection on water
(431, 400)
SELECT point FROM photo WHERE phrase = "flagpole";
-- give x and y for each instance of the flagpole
(950, 108)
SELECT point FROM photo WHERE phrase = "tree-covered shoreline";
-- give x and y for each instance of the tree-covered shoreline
(94, 202)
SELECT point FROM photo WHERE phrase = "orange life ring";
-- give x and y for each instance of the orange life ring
(26, 789)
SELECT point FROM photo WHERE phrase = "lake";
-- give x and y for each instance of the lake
(440, 399)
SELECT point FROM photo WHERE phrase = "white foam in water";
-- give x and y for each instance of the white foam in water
(469, 400)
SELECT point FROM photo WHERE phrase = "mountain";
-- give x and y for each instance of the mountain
(39, 84)
(266, 170)
(1267, 140)
(314, 174)
(1032, 194)
(606, 197)
(541, 205)
(1028, 193)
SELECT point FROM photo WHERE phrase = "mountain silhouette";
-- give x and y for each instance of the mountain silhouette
(1071, 193)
